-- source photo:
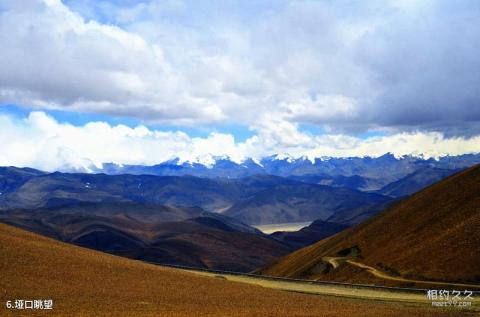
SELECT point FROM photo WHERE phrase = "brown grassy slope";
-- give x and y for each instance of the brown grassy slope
(432, 235)
(83, 282)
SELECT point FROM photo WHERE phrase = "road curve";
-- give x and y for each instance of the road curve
(336, 261)
(385, 276)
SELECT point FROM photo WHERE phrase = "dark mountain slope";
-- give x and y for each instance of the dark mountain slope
(255, 199)
(60, 189)
(13, 177)
(416, 181)
(57, 189)
(361, 213)
(315, 232)
(162, 234)
(302, 202)
(353, 182)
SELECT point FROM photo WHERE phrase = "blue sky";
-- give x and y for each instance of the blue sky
(79, 119)
(241, 133)
(198, 79)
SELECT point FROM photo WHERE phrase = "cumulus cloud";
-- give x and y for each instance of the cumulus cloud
(42, 142)
(347, 67)
(53, 58)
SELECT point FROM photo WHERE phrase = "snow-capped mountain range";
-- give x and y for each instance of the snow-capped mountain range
(386, 166)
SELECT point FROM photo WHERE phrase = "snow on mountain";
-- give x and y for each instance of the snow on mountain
(387, 167)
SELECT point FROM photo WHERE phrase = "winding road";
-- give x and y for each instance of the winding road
(336, 261)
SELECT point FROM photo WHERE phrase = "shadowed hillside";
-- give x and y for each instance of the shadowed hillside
(316, 231)
(161, 234)
(353, 182)
(432, 235)
(304, 202)
(416, 181)
(279, 199)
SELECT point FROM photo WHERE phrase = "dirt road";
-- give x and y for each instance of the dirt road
(336, 261)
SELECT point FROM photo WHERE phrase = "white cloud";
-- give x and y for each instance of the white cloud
(339, 65)
(41, 142)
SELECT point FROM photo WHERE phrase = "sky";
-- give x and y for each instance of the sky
(139, 82)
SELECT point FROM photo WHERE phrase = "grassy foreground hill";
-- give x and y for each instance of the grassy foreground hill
(84, 282)
(430, 236)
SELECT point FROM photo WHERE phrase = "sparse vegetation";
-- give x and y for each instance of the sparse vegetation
(389, 270)
(430, 236)
(83, 282)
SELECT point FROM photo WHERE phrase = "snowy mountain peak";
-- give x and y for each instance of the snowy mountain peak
(284, 157)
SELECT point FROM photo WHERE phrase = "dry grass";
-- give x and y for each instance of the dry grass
(430, 236)
(83, 282)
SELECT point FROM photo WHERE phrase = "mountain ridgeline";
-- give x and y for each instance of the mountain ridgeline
(259, 199)
(362, 173)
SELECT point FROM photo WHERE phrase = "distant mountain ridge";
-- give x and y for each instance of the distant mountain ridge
(303, 202)
(415, 181)
(315, 232)
(258, 199)
(374, 172)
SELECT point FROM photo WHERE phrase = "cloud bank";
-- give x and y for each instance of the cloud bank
(402, 66)
(42, 142)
